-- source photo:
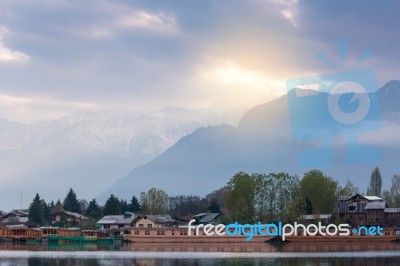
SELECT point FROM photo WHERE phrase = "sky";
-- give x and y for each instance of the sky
(62, 56)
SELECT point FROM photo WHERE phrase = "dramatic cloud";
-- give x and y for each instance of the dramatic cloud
(147, 55)
(141, 19)
(8, 55)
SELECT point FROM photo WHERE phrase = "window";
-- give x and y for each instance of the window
(149, 226)
(141, 225)
(147, 232)
(160, 232)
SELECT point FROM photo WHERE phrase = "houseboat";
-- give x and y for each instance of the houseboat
(388, 235)
(180, 235)
(72, 234)
(20, 234)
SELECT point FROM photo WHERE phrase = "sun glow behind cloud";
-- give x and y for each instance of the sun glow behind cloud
(253, 81)
(147, 55)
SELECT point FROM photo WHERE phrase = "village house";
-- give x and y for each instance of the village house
(15, 217)
(68, 219)
(156, 221)
(392, 217)
(359, 210)
(375, 212)
(117, 221)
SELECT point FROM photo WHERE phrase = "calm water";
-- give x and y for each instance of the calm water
(201, 254)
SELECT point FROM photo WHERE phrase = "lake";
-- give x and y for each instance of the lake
(201, 254)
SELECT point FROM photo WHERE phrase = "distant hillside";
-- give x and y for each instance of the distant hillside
(89, 151)
(206, 159)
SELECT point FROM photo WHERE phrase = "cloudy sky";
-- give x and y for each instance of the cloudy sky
(62, 56)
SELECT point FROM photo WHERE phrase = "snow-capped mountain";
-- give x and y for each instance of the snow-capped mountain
(89, 151)
(263, 142)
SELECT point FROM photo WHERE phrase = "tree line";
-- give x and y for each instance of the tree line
(246, 198)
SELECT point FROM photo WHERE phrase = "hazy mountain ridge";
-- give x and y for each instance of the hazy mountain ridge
(89, 149)
(262, 142)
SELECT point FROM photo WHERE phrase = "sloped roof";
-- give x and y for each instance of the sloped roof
(392, 210)
(208, 218)
(369, 198)
(17, 226)
(186, 218)
(15, 220)
(164, 218)
(315, 216)
(118, 219)
(200, 214)
(344, 197)
(373, 198)
(373, 205)
(15, 213)
(74, 214)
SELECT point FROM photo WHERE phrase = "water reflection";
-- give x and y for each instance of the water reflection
(335, 254)
(34, 261)
(207, 247)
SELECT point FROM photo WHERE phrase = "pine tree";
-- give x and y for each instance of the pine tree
(36, 211)
(124, 206)
(134, 206)
(94, 210)
(71, 202)
(46, 211)
(112, 206)
(58, 207)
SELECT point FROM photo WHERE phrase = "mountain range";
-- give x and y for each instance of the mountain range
(89, 151)
(263, 142)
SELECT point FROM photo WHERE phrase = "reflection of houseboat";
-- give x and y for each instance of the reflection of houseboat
(96, 236)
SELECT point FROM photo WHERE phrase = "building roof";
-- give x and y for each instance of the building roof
(359, 196)
(164, 218)
(356, 204)
(73, 214)
(207, 217)
(344, 197)
(374, 205)
(392, 210)
(315, 216)
(15, 220)
(15, 213)
(17, 226)
(118, 219)
(373, 198)
(186, 218)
